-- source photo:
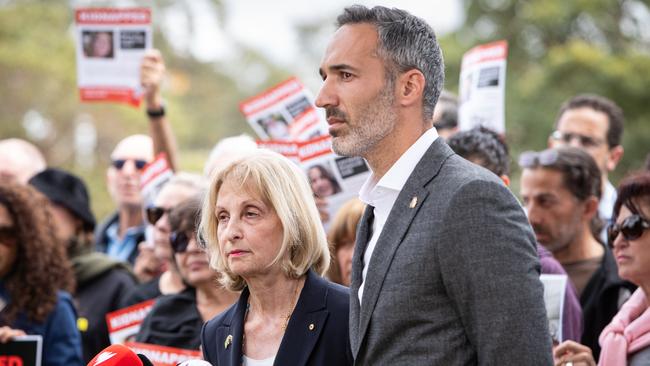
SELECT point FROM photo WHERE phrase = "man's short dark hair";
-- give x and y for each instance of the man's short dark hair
(601, 104)
(448, 104)
(406, 42)
(580, 173)
(484, 147)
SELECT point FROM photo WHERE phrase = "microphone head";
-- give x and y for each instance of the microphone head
(194, 363)
(116, 355)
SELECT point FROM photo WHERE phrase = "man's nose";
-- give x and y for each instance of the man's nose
(326, 96)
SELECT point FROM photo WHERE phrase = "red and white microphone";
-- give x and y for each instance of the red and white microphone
(119, 355)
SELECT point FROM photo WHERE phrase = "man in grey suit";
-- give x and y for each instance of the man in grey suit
(445, 270)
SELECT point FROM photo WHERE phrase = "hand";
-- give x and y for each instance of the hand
(322, 204)
(7, 334)
(146, 266)
(152, 73)
(570, 352)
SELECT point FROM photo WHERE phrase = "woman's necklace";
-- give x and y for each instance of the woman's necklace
(286, 317)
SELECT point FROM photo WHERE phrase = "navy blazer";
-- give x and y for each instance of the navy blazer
(317, 333)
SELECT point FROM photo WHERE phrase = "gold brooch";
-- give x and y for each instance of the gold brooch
(414, 202)
(228, 341)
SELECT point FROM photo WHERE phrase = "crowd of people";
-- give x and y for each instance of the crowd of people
(437, 262)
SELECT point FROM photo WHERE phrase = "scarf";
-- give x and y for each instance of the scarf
(628, 332)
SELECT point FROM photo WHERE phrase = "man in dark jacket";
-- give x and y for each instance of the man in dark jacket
(101, 280)
(560, 189)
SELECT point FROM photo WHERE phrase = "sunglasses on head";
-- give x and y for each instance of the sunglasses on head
(154, 213)
(531, 159)
(119, 163)
(8, 234)
(584, 141)
(632, 228)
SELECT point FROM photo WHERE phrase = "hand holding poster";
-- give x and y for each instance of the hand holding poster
(482, 87)
(284, 112)
(22, 351)
(110, 46)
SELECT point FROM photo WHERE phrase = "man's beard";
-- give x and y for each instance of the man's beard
(375, 121)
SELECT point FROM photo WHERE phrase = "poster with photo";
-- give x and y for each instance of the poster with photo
(554, 293)
(285, 112)
(110, 45)
(336, 178)
(482, 87)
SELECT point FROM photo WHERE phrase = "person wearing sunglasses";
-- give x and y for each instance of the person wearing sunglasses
(165, 278)
(560, 189)
(176, 320)
(35, 277)
(119, 235)
(626, 340)
(595, 124)
(265, 237)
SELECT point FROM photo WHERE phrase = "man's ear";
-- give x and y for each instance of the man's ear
(614, 157)
(410, 88)
(591, 208)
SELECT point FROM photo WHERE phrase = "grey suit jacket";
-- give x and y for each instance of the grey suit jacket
(453, 280)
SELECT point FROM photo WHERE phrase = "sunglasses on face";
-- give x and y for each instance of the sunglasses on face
(155, 213)
(8, 235)
(531, 159)
(584, 141)
(632, 228)
(180, 240)
(119, 163)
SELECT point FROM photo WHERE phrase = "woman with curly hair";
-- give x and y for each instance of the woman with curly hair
(33, 271)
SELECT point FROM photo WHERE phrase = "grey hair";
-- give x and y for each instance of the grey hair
(406, 42)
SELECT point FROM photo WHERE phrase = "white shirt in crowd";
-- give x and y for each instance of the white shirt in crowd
(382, 194)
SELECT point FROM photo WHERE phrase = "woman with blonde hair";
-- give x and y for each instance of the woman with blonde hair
(265, 237)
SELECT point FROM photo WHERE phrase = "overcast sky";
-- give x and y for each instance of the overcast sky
(269, 26)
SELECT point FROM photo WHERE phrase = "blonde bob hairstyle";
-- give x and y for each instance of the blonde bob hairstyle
(280, 184)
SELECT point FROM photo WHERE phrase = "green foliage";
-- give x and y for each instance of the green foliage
(557, 49)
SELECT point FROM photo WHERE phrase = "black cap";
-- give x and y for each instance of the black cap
(67, 190)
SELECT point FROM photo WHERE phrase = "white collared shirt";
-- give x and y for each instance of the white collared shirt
(382, 194)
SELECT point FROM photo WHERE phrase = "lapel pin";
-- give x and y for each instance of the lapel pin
(228, 341)
(414, 201)
(311, 326)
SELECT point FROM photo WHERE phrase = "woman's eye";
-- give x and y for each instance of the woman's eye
(345, 75)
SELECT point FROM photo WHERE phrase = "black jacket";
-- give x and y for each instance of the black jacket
(599, 300)
(174, 321)
(101, 283)
(317, 333)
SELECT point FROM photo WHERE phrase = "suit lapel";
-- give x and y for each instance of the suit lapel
(230, 334)
(306, 323)
(363, 236)
(407, 205)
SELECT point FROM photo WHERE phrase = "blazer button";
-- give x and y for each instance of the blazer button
(311, 326)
